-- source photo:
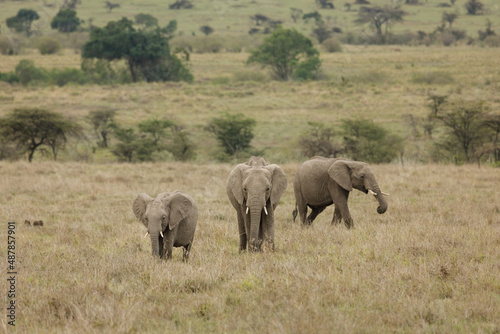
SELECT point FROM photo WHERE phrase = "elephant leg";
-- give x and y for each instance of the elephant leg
(185, 252)
(314, 213)
(340, 197)
(337, 218)
(242, 230)
(168, 242)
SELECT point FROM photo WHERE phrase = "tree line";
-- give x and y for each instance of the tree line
(468, 133)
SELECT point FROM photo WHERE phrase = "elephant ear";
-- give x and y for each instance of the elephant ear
(139, 207)
(279, 183)
(180, 206)
(340, 172)
(234, 185)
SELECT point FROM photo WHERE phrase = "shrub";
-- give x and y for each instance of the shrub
(48, 45)
(366, 141)
(9, 77)
(28, 73)
(473, 7)
(181, 146)
(447, 38)
(332, 45)
(319, 139)
(233, 132)
(308, 69)
(63, 76)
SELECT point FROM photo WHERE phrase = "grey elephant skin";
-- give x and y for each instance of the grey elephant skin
(171, 220)
(254, 189)
(321, 182)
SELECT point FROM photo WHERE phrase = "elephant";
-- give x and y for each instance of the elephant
(254, 189)
(320, 182)
(171, 220)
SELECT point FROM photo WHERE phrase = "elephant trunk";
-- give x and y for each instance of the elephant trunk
(155, 243)
(255, 214)
(381, 201)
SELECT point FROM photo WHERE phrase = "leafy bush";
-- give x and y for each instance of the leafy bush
(473, 7)
(48, 45)
(308, 69)
(28, 73)
(366, 141)
(181, 146)
(319, 139)
(233, 132)
(492, 41)
(332, 45)
(9, 77)
(64, 76)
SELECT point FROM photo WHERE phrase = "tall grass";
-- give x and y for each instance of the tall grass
(429, 264)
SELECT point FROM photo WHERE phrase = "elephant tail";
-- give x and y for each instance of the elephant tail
(295, 212)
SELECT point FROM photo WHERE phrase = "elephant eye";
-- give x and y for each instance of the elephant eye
(267, 189)
(146, 218)
(163, 217)
(245, 188)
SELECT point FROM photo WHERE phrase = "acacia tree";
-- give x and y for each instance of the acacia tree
(37, 129)
(147, 51)
(156, 129)
(284, 51)
(377, 17)
(464, 124)
(22, 21)
(233, 132)
(102, 122)
(65, 21)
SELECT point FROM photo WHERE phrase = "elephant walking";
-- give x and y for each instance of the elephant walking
(171, 220)
(254, 189)
(321, 182)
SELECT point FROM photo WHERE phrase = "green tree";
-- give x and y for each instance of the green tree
(103, 123)
(449, 17)
(27, 72)
(473, 7)
(66, 21)
(146, 52)
(156, 129)
(22, 21)
(37, 129)
(366, 141)
(465, 129)
(378, 17)
(131, 147)
(181, 146)
(233, 132)
(284, 51)
(319, 139)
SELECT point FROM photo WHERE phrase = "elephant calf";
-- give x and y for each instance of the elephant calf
(170, 219)
(321, 182)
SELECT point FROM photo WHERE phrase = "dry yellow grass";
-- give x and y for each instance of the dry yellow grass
(430, 264)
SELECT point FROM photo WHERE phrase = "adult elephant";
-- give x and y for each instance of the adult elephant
(254, 189)
(321, 182)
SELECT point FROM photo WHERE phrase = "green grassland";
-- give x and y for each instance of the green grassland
(231, 18)
(378, 83)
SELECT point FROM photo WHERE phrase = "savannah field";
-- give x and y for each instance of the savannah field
(430, 264)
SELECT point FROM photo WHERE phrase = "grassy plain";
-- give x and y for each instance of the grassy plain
(373, 82)
(430, 264)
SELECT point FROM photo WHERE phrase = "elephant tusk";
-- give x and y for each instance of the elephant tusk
(145, 235)
(383, 193)
(161, 233)
(265, 210)
(372, 193)
(247, 210)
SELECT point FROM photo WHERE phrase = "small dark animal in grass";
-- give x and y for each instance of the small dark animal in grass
(171, 220)
(38, 223)
(27, 223)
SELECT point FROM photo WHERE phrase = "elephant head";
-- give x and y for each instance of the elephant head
(355, 174)
(256, 186)
(164, 212)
